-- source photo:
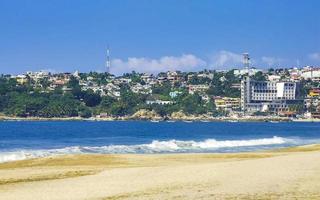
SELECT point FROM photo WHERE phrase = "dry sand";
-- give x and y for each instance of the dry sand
(284, 174)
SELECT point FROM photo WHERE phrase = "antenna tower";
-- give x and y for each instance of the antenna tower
(108, 63)
(246, 60)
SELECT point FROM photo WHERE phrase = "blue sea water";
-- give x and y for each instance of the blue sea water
(29, 139)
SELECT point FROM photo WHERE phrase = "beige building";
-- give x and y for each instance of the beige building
(22, 79)
(227, 103)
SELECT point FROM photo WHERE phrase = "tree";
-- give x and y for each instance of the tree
(107, 102)
(230, 77)
(118, 109)
(192, 104)
(129, 101)
(45, 83)
(298, 107)
(73, 82)
(270, 71)
(312, 108)
(58, 91)
(160, 109)
(60, 107)
(75, 88)
(303, 88)
(210, 106)
(195, 80)
(85, 112)
(91, 98)
(3, 102)
(216, 90)
(163, 89)
(77, 92)
(259, 76)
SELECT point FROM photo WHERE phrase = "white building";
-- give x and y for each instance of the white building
(274, 77)
(147, 78)
(174, 94)
(251, 71)
(141, 89)
(267, 96)
(160, 102)
(36, 76)
(313, 74)
(205, 75)
(198, 88)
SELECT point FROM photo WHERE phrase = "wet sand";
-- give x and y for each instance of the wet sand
(292, 173)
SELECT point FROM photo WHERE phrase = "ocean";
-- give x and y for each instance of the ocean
(31, 139)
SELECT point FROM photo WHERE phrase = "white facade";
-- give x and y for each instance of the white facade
(274, 77)
(251, 71)
(266, 95)
(313, 74)
(197, 88)
(286, 90)
(160, 102)
(263, 91)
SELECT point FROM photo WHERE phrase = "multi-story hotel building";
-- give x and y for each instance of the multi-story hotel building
(267, 95)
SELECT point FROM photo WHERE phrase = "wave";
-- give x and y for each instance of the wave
(170, 146)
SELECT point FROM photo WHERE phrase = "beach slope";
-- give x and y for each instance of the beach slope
(284, 174)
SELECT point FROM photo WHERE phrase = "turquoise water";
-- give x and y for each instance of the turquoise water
(21, 140)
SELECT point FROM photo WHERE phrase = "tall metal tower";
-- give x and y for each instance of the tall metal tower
(245, 95)
(108, 63)
(246, 61)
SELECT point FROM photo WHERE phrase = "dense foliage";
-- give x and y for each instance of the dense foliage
(32, 100)
(222, 83)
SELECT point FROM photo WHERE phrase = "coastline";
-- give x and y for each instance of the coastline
(283, 173)
(157, 119)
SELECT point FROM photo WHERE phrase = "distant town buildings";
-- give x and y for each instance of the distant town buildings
(237, 92)
(311, 73)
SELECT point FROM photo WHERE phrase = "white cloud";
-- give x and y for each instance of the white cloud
(186, 62)
(314, 56)
(225, 60)
(271, 61)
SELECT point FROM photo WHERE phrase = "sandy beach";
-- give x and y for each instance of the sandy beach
(283, 174)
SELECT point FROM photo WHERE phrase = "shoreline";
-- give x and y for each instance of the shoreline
(286, 173)
(162, 147)
(186, 119)
(302, 148)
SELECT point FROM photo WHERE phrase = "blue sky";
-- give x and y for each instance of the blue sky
(156, 35)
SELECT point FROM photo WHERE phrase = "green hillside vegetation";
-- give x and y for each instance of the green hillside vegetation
(28, 100)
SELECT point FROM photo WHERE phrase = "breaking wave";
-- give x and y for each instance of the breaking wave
(170, 146)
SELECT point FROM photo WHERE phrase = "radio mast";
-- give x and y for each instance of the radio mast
(108, 63)
(246, 61)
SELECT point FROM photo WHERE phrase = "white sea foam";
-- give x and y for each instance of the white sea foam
(170, 146)
(241, 143)
(13, 156)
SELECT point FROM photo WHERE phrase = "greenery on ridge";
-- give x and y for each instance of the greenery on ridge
(26, 100)
(30, 100)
